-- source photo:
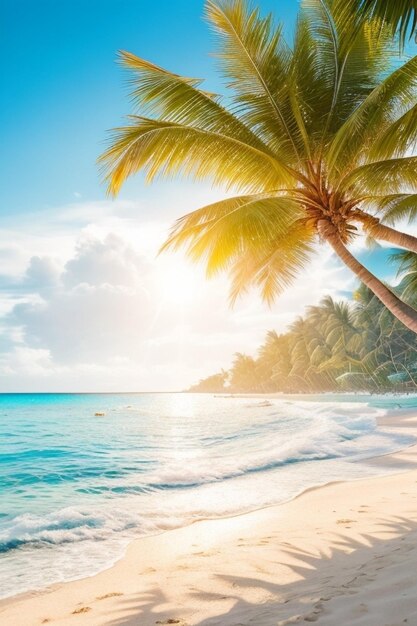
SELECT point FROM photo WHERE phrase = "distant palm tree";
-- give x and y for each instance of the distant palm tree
(243, 374)
(407, 270)
(316, 140)
(213, 383)
(335, 345)
(335, 320)
(274, 361)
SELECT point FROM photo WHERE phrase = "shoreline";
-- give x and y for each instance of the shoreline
(199, 545)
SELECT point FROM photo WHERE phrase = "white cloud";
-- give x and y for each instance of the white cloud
(88, 305)
(95, 308)
(42, 274)
(108, 262)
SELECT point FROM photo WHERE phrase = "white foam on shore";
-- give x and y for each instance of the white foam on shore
(268, 458)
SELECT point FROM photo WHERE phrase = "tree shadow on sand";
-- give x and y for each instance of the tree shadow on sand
(346, 567)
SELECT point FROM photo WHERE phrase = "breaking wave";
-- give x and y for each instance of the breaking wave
(158, 462)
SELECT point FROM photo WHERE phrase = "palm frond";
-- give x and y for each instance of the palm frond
(382, 177)
(309, 90)
(395, 207)
(256, 62)
(399, 15)
(163, 95)
(168, 148)
(258, 238)
(273, 266)
(324, 33)
(348, 58)
(406, 269)
(398, 138)
(372, 117)
(220, 232)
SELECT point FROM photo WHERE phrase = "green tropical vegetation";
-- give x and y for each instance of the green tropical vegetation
(315, 138)
(335, 346)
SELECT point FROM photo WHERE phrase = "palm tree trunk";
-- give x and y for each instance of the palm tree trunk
(373, 226)
(402, 311)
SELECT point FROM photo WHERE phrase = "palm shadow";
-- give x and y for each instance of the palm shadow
(341, 570)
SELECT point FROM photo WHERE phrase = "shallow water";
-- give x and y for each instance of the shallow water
(76, 488)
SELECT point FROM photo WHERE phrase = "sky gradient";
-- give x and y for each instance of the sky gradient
(64, 88)
(85, 304)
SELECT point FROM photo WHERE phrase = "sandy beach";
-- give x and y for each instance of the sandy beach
(208, 313)
(344, 553)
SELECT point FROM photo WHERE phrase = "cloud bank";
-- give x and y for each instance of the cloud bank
(87, 305)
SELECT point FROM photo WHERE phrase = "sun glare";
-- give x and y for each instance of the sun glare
(178, 283)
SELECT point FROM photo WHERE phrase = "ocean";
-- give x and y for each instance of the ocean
(81, 475)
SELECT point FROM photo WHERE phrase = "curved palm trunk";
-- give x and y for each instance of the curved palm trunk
(402, 311)
(373, 226)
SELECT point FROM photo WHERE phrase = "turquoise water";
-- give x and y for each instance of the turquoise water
(76, 487)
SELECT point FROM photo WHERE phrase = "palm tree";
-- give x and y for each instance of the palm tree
(305, 340)
(273, 364)
(268, 356)
(407, 270)
(355, 346)
(212, 384)
(337, 327)
(243, 375)
(315, 142)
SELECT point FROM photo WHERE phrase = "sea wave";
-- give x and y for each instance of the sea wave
(322, 438)
(68, 487)
(67, 525)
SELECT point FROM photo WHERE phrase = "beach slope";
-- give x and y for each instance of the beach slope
(345, 553)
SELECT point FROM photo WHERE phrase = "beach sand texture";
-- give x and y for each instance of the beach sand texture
(338, 555)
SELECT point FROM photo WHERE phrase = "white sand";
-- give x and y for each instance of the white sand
(340, 555)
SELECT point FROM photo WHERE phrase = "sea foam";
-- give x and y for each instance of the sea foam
(76, 490)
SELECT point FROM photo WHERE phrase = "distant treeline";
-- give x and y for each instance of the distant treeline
(336, 346)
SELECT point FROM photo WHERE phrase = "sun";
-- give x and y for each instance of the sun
(178, 283)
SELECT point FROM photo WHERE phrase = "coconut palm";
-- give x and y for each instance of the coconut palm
(384, 346)
(335, 321)
(274, 362)
(305, 341)
(268, 356)
(407, 270)
(213, 383)
(335, 345)
(243, 375)
(315, 143)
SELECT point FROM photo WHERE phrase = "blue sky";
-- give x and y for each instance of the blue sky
(64, 89)
(85, 303)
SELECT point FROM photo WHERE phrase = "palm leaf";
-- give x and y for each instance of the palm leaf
(172, 98)
(222, 231)
(310, 93)
(395, 207)
(382, 177)
(168, 148)
(274, 264)
(349, 59)
(256, 61)
(398, 138)
(372, 117)
(399, 15)
(407, 270)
